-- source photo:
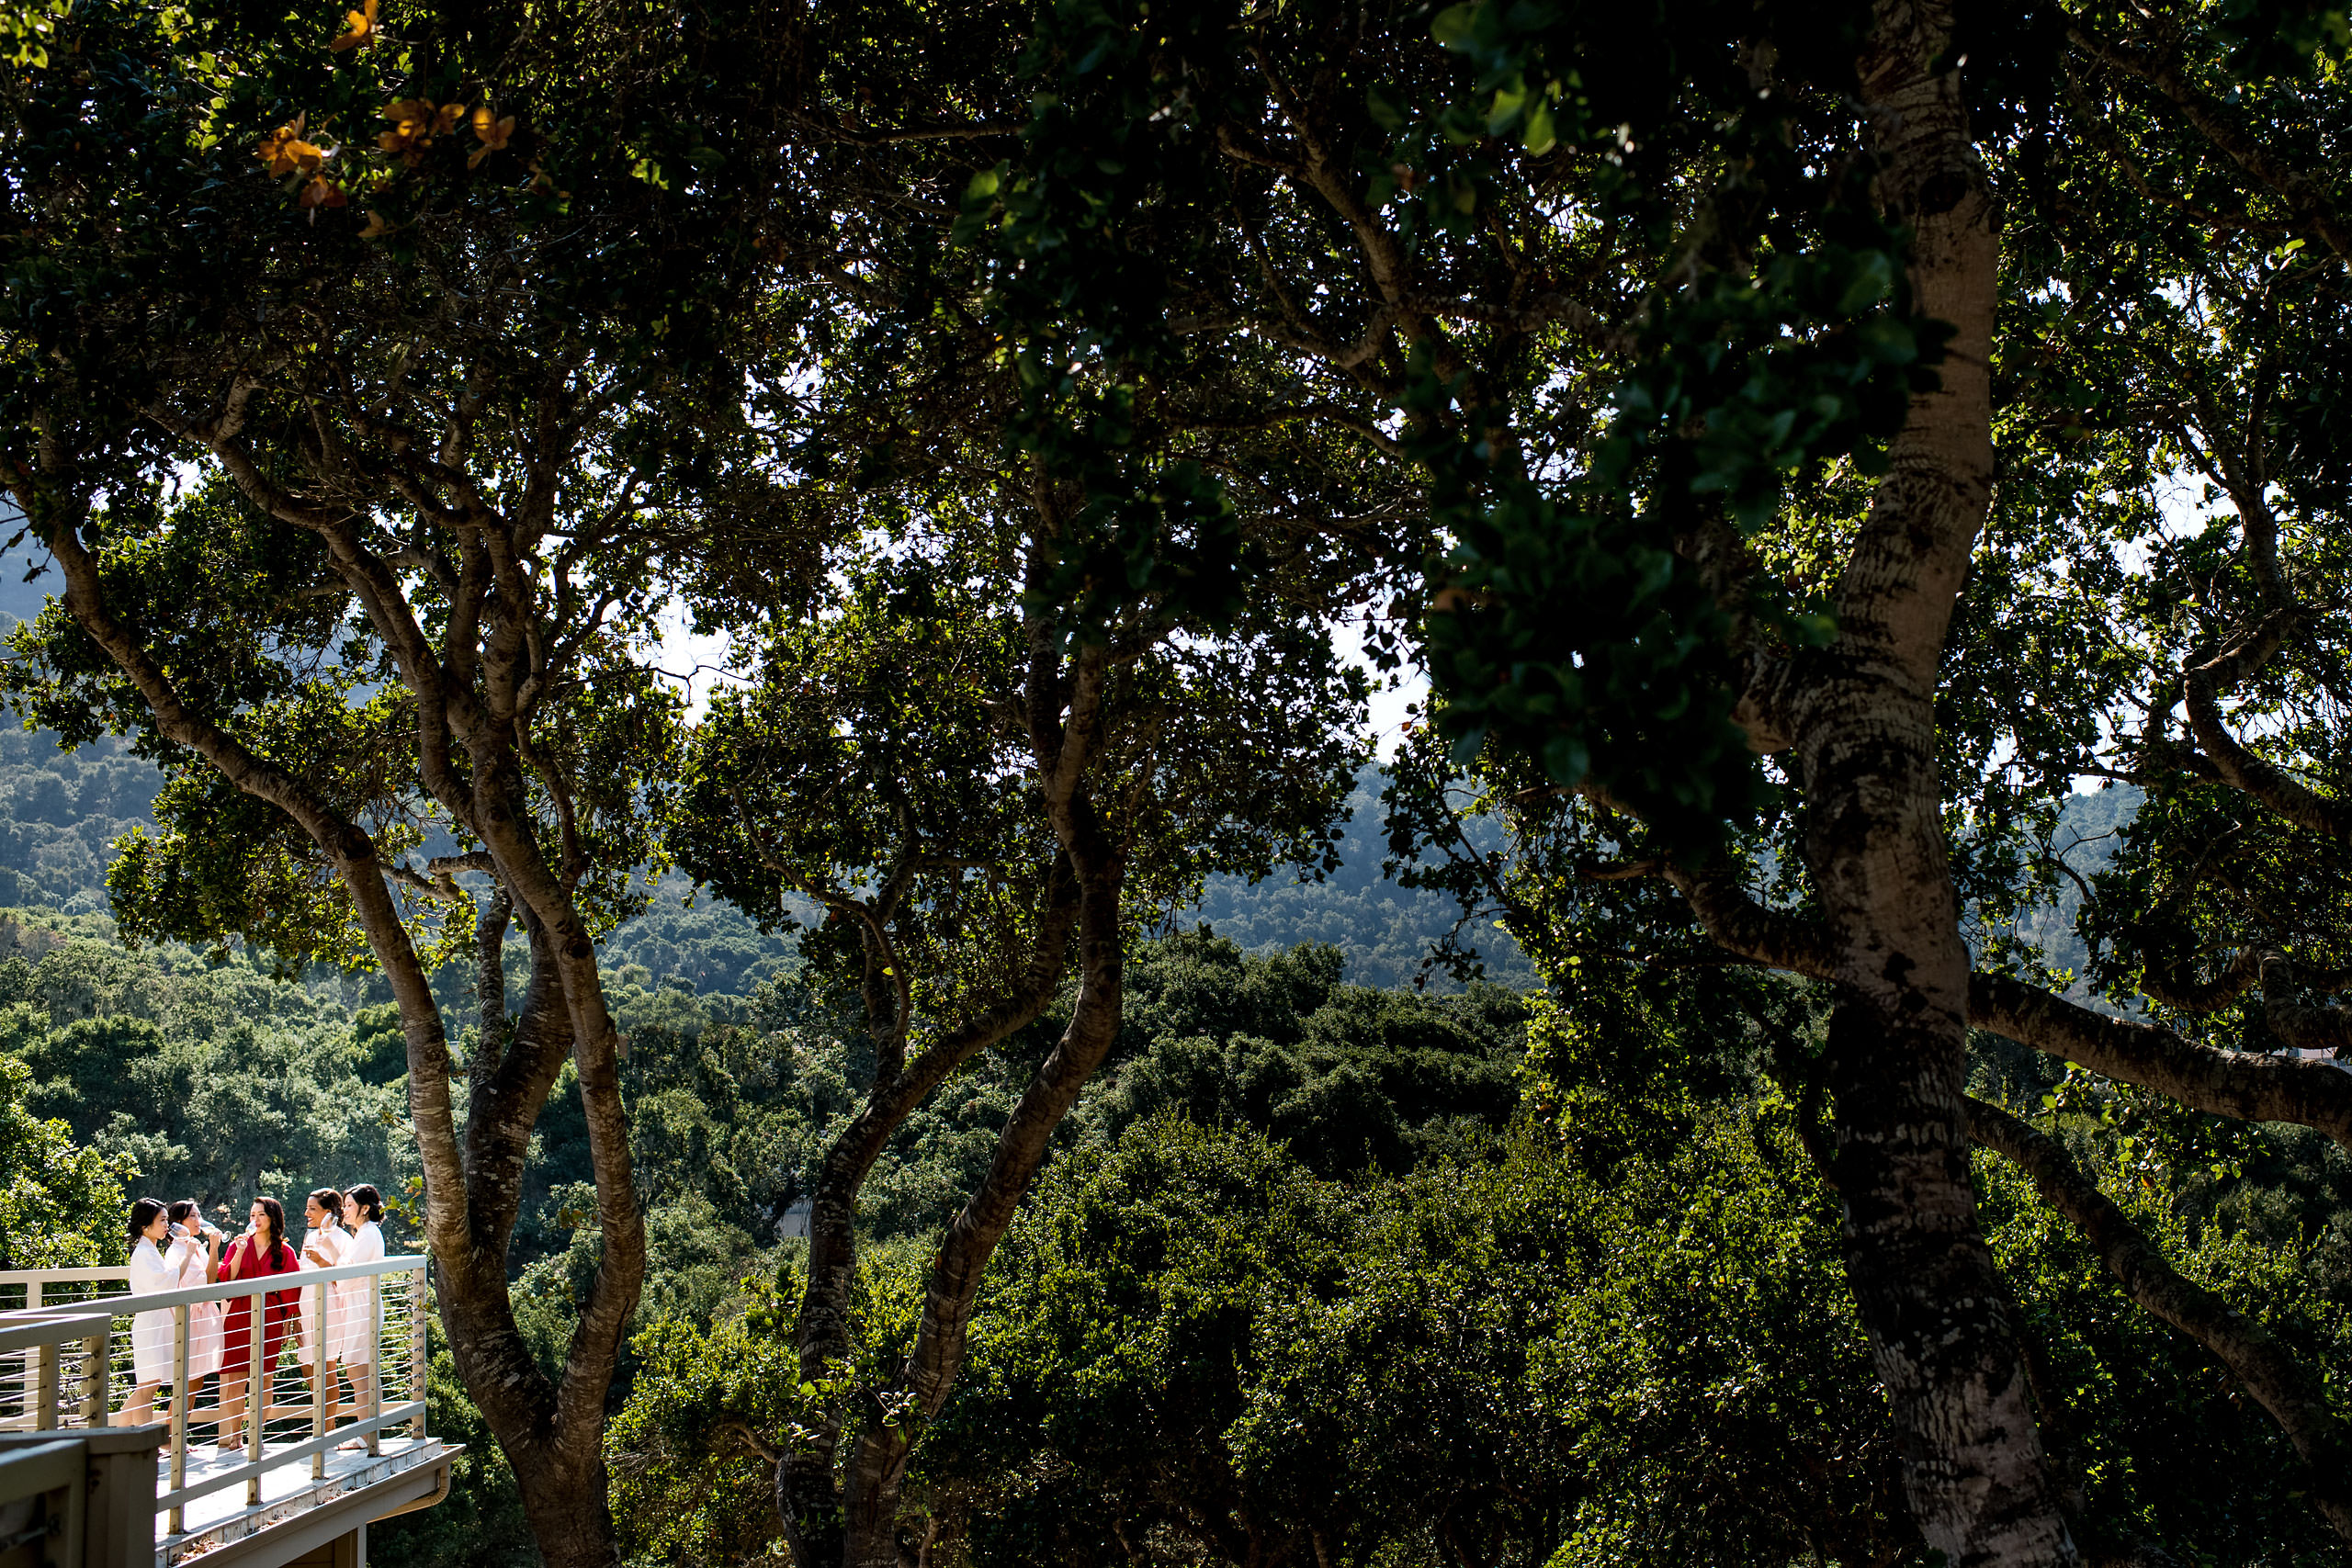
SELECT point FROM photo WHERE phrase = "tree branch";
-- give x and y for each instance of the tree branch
(2222, 128)
(2186, 995)
(2297, 1402)
(2242, 1085)
(1770, 937)
(346, 847)
(2242, 770)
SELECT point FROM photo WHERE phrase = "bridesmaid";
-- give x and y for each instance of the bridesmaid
(153, 1270)
(261, 1250)
(322, 1248)
(351, 1337)
(199, 1265)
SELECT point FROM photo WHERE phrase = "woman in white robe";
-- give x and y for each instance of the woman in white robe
(199, 1265)
(155, 1259)
(323, 1248)
(353, 1340)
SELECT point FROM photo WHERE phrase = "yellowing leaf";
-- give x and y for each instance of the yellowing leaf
(492, 129)
(360, 28)
(412, 122)
(277, 147)
(377, 227)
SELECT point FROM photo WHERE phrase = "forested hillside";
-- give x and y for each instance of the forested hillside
(1318, 1212)
(60, 810)
(1327, 1261)
(1318, 1260)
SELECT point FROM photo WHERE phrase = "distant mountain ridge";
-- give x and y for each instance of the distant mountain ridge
(59, 811)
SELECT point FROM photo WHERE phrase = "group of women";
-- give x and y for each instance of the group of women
(173, 1248)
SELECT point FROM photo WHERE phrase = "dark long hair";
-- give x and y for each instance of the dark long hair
(367, 1201)
(275, 1213)
(142, 1215)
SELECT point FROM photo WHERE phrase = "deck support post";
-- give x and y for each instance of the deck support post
(375, 1361)
(318, 1331)
(418, 1352)
(97, 1390)
(45, 1390)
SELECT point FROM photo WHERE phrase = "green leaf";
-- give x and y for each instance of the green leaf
(1452, 25)
(1540, 136)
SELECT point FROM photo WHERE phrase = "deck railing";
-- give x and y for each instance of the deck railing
(66, 1361)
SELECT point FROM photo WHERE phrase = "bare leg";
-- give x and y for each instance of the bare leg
(363, 1376)
(232, 1416)
(197, 1386)
(140, 1408)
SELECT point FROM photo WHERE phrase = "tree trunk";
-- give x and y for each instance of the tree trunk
(552, 1434)
(808, 1496)
(558, 1470)
(854, 1523)
(557, 1462)
(568, 1502)
(1941, 1333)
(878, 1465)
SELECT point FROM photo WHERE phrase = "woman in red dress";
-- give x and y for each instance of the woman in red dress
(250, 1257)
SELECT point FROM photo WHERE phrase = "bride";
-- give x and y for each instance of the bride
(353, 1335)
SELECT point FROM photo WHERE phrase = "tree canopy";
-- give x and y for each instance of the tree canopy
(1797, 443)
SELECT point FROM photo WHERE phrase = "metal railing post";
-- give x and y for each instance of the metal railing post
(375, 1361)
(319, 1379)
(32, 1359)
(182, 1397)
(97, 1378)
(45, 1390)
(417, 1353)
(257, 1389)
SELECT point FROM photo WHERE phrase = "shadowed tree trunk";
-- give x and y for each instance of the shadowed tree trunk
(1862, 715)
(854, 1520)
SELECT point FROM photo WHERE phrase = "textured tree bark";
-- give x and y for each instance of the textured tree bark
(853, 1520)
(2269, 1374)
(809, 1498)
(2246, 1085)
(1862, 719)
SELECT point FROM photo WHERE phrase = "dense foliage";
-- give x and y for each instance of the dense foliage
(1548, 1351)
(1306, 1268)
(57, 1200)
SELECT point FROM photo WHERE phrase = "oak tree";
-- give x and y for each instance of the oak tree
(370, 389)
